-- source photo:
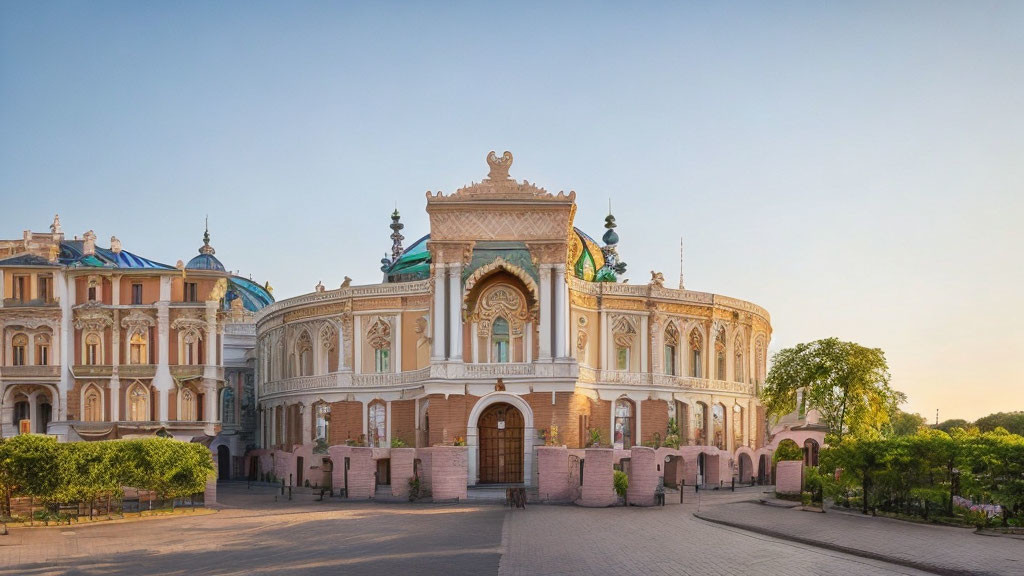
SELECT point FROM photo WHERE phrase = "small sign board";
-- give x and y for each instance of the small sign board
(25, 426)
(501, 424)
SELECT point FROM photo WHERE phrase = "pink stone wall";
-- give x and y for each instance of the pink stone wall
(401, 470)
(361, 473)
(598, 489)
(789, 476)
(553, 474)
(643, 476)
(712, 469)
(424, 456)
(449, 471)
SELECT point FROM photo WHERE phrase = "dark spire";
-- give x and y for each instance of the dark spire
(396, 236)
(206, 248)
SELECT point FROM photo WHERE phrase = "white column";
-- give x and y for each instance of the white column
(66, 293)
(455, 312)
(115, 399)
(638, 441)
(366, 423)
(397, 337)
(474, 342)
(545, 312)
(437, 352)
(162, 381)
(357, 345)
(561, 312)
(527, 341)
(115, 290)
(644, 336)
(306, 434)
(32, 416)
(387, 418)
(602, 339)
(341, 347)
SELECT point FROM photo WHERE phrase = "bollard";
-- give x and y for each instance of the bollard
(289, 492)
(733, 484)
(282, 486)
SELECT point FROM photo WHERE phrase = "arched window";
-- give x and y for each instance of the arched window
(759, 361)
(227, 406)
(304, 349)
(138, 403)
(19, 355)
(192, 347)
(499, 340)
(322, 411)
(377, 426)
(188, 405)
(42, 349)
(696, 352)
(93, 349)
(683, 422)
(624, 425)
(624, 332)
(379, 337)
(671, 342)
(720, 354)
(137, 349)
(737, 425)
(700, 423)
(92, 410)
(718, 426)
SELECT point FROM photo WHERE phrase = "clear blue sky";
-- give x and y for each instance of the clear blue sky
(856, 168)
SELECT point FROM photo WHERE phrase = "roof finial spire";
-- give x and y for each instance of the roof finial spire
(206, 248)
(396, 240)
(682, 286)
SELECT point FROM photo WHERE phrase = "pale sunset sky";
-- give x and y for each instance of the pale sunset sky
(857, 168)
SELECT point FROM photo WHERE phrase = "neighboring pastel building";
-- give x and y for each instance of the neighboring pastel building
(101, 343)
(502, 324)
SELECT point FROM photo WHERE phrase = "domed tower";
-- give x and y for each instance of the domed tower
(206, 259)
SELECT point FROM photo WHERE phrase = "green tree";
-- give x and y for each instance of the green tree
(28, 467)
(1012, 422)
(948, 425)
(847, 383)
(905, 424)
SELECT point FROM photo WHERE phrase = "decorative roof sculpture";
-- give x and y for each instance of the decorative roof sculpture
(206, 259)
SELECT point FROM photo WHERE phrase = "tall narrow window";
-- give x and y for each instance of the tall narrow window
(21, 288)
(92, 349)
(136, 294)
(92, 293)
(377, 425)
(737, 425)
(720, 354)
(18, 353)
(42, 350)
(718, 426)
(188, 405)
(622, 358)
(696, 348)
(138, 403)
(671, 341)
(700, 423)
(623, 432)
(382, 359)
(191, 292)
(93, 409)
(137, 346)
(323, 410)
(499, 341)
(45, 288)
(227, 406)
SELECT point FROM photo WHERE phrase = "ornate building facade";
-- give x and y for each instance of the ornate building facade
(101, 343)
(504, 329)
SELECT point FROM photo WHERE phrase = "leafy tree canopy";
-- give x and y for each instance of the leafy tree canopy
(905, 424)
(847, 383)
(1013, 422)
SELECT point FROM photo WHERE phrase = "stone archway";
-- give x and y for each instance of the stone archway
(474, 422)
(501, 445)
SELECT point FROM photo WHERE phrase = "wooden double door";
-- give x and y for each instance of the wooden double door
(501, 434)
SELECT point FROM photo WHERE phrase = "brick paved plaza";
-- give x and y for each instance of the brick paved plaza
(253, 534)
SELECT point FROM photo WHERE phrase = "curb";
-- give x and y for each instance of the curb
(836, 547)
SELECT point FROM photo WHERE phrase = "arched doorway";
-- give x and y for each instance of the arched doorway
(746, 468)
(762, 470)
(501, 430)
(223, 463)
(810, 452)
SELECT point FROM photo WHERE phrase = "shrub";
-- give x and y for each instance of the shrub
(595, 437)
(621, 483)
(397, 443)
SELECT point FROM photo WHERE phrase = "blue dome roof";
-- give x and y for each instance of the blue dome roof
(205, 262)
(254, 297)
